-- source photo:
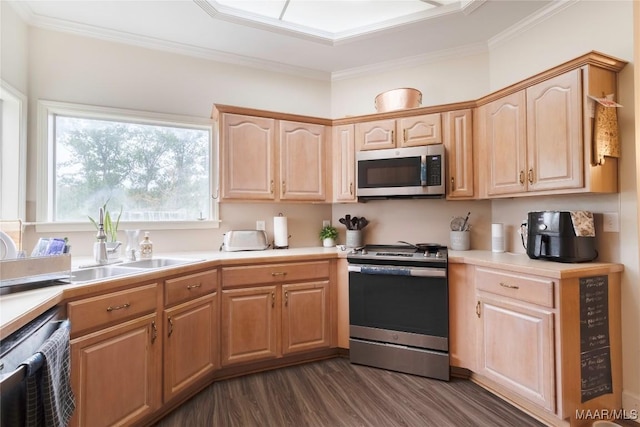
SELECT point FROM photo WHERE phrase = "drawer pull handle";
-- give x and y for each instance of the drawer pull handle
(170, 326)
(154, 332)
(286, 298)
(119, 307)
(351, 188)
(194, 286)
(273, 299)
(478, 309)
(530, 176)
(508, 286)
(453, 184)
(279, 273)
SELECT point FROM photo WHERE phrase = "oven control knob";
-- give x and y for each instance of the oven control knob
(438, 255)
(363, 251)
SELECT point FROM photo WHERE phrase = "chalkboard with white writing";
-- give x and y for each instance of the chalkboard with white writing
(595, 352)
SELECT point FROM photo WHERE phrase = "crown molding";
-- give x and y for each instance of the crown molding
(531, 21)
(413, 61)
(132, 39)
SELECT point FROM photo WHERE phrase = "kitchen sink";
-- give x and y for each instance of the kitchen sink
(98, 273)
(160, 262)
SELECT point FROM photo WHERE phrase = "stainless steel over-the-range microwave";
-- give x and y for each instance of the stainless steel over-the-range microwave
(401, 172)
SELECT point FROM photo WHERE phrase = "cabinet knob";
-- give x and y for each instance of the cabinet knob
(286, 298)
(452, 184)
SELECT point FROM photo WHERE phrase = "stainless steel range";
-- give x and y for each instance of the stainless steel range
(399, 308)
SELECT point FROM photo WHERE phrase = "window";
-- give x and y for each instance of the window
(157, 169)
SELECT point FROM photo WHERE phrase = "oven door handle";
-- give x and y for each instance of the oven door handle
(389, 270)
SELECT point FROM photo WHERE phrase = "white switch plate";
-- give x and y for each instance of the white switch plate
(610, 222)
(325, 223)
(260, 225)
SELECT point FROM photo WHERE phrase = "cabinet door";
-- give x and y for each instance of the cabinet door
(458, 140)
(116, 373)
(344, 163)
(305, 316)
(376, 135)
(248, 157)
(249, 327)
(420, 130)
(190, 347)
(463, 320)
(517, 350)
(506, 147)
(302, 161)
(554, 133)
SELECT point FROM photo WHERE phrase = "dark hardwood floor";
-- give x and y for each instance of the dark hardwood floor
(336, 393)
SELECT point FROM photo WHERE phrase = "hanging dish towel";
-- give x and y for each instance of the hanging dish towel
(583, 224)
(50, 400)
(606, 129)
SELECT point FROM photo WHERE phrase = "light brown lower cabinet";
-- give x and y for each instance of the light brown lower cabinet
(116, 356)
(528, 338)
(248, 329)
(116, 373)
(273, 310)
(190, 343)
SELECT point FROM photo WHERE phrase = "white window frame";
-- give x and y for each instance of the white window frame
(13, 146)
(45, 183)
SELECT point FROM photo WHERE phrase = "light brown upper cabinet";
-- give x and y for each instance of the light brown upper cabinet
(268, 159)
(302, 161)
(344, 164)
(409, 131)
(458, 141)
(534, 138)
(538, 138)
(248, 157)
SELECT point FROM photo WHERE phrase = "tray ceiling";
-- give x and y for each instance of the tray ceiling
(320, 39)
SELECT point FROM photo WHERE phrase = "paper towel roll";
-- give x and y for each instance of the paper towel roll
(497, 237)
(280, 232)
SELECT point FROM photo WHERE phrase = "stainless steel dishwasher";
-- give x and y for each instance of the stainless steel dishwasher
(15, 350)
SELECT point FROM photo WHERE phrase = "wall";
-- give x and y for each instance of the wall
(13, 49)
(441, 82)
(65, 67)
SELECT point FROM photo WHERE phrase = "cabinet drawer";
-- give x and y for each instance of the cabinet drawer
(189, 287)
(533, 289)
(111, 308)
(274, 273)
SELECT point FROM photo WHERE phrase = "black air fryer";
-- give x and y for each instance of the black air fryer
(561, 236)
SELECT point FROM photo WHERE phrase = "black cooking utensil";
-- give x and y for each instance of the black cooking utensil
(464, 224)
(354, 223)
(347, 219)
(362, 223)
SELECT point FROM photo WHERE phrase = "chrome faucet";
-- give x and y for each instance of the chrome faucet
(101, 252)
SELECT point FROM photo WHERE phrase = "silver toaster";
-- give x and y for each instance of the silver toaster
(244, 240)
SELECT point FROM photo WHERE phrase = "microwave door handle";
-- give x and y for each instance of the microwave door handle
(423, 171)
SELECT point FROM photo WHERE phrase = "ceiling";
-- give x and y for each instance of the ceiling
(316, 38)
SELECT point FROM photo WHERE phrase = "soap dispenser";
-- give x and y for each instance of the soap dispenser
(146, 246)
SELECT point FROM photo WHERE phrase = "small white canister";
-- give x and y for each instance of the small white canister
(497, 237)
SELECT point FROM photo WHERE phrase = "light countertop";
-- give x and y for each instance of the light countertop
(18, 309)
